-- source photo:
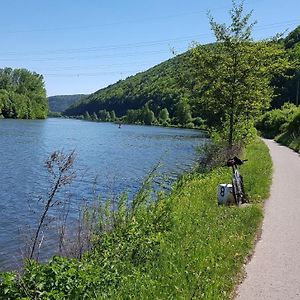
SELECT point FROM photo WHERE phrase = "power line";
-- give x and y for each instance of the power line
(93, 74)
(144, 20)
(141, 44)
(110, 47)
(115, 56)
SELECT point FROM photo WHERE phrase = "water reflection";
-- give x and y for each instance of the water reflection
(119, 159)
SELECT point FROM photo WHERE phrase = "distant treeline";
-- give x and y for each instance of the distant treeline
(60, 103)
(22, 94)
(143, 98)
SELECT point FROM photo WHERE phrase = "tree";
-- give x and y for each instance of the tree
(183, 111)
(234, 74)
(94, 117)
(147, 115)
(104, 115)
(87, 116)
(112, 116)
(132, 116)
(164, 116)
(22, 94)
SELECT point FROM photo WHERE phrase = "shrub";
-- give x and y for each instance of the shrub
(275, 122)
(294, 126)
(190, 125)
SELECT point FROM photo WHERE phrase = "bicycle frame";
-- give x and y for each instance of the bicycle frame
(237, 181)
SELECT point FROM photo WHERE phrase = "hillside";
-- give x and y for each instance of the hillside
(60, 103)
(287, 87)
(161, 87)
(157, 86)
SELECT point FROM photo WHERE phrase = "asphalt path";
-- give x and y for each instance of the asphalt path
(274, 270)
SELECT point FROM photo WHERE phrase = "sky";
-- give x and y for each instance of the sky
(80, 46)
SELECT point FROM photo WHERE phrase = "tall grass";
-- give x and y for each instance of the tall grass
(182, 246)
(202, 256)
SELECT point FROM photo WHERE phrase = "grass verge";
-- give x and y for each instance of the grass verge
(289, 140)
(181, 247)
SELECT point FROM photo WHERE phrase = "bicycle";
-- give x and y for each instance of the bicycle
(237, 180)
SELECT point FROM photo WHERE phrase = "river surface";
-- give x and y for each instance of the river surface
(109, 161)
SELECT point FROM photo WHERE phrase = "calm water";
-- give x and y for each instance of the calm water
(116, 159)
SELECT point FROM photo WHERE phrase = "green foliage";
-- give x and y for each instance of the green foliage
(293, 38)
(140, 116)
(148, 116)
(287, 86)
(258, 171)
(164, 116)
(283, 125)
(157, 87)
(104, 115)
(87, 116)
(180, 246)
(112, 116)
(233, 76)
(289, 140)
(62, 102)
(294, 126)
(255, 67)
(291, 136)
(94, 116)
(183, 112)
(22, 94)
(276, 121)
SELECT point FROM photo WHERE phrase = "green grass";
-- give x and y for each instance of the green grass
(289, 140)
(202, 255)
(183, 246)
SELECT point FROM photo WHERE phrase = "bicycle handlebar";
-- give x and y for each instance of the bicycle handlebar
(235, 161)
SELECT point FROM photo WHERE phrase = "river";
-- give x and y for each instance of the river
(109, 161)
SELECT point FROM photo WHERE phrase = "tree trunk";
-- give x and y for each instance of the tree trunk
(230, 136)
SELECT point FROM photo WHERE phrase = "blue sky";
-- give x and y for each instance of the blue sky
(81, 46)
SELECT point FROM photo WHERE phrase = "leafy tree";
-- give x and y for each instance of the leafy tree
(148, 116)
(104, 115)
(22, 94)
(94, 116)
(292, 39)
(132, 116)
(183, 112)
(234, 74)
(112, 116)
(87, 115)
(164, 116)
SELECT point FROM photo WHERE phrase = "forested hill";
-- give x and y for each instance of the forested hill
(22, 94)
(287, 88)
(60, 103)
(160, 87)
(293, 39)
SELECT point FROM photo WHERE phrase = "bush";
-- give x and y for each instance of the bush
(294, 126)
(216, 154)
(291, 137)
(275, 122)
(190, 125)
(182, 246)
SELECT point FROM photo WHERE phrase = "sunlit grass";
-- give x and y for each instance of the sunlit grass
(203, 254)
(183, 246)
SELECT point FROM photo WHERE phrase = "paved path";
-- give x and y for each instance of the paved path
(274, 271)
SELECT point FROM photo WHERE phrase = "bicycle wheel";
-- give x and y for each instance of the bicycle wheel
(244, 198)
